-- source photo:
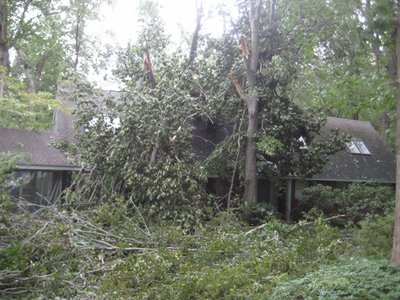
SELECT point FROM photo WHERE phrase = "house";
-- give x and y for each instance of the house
(365, 159)
(45, 171)
(42, 171)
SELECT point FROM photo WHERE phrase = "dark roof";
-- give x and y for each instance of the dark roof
(206, 135)
(36, 148)
(380, 166)
(343, 166)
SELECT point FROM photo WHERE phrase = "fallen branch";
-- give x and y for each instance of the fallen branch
(294, 227)
(309, 223)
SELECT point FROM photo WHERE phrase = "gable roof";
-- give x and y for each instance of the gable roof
(36, 149)
(379, 166)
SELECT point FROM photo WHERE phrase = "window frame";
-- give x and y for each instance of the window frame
(357, 146)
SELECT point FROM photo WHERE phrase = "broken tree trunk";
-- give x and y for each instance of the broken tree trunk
(251, 60)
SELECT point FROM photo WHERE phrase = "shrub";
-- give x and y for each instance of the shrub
(358, 202)
(322, 198)
(255, 213)
(364, 201)
(375, 236)
(354, 279)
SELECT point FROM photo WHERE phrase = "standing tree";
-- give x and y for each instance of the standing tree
(396, 234)
(251, 61)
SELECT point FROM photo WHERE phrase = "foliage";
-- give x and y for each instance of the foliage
(255, 213)
(283, 125)
(147, 158)
(7, 164)
(322, 198)
(296, 130)
(352, 279)
(364, 201)
(359, 201)
(119, 255)
(165, 187)
(375, 236)
(22, 109)
(219, 262)
(348, 64)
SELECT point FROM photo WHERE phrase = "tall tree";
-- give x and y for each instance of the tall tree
(396, 234)
(251, 61)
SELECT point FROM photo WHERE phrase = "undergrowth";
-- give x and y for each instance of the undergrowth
(111, 253)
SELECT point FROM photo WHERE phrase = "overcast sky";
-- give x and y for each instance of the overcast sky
(118, 24)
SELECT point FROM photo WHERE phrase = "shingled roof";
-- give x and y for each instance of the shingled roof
(379, 166)
(35, 148)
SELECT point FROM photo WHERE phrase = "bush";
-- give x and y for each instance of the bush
(358, 202)
(322, 198)
(255, 213)
(364, 201)
(354, 279)
(375, 236)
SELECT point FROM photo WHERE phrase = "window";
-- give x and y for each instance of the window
(357, 147)
(302, 140)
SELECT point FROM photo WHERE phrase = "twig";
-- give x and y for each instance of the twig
(37, 232)
(141, 216)
(309, 223)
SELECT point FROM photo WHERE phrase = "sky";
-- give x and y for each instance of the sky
(118, 24)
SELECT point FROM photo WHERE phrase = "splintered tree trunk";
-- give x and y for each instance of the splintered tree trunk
(396, 235)
(251, 63)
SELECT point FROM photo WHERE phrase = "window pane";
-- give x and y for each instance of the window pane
(352, 147)
(361, 146)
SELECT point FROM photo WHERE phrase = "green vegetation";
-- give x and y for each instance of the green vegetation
(110, 251)
(141, 225)
(20, 109)
(359, 201)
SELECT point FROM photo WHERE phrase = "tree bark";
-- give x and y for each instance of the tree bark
(79, 27)
(251, 61)
(195, 38)
(30, 83)
(4, 51)
(396, 234)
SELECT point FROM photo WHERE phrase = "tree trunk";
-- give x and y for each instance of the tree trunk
(251, 61)
(195, 38)
(78, 38)
(396, 234)
(4, 51)
(30, 81)
(30, 84)
(39, 68)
